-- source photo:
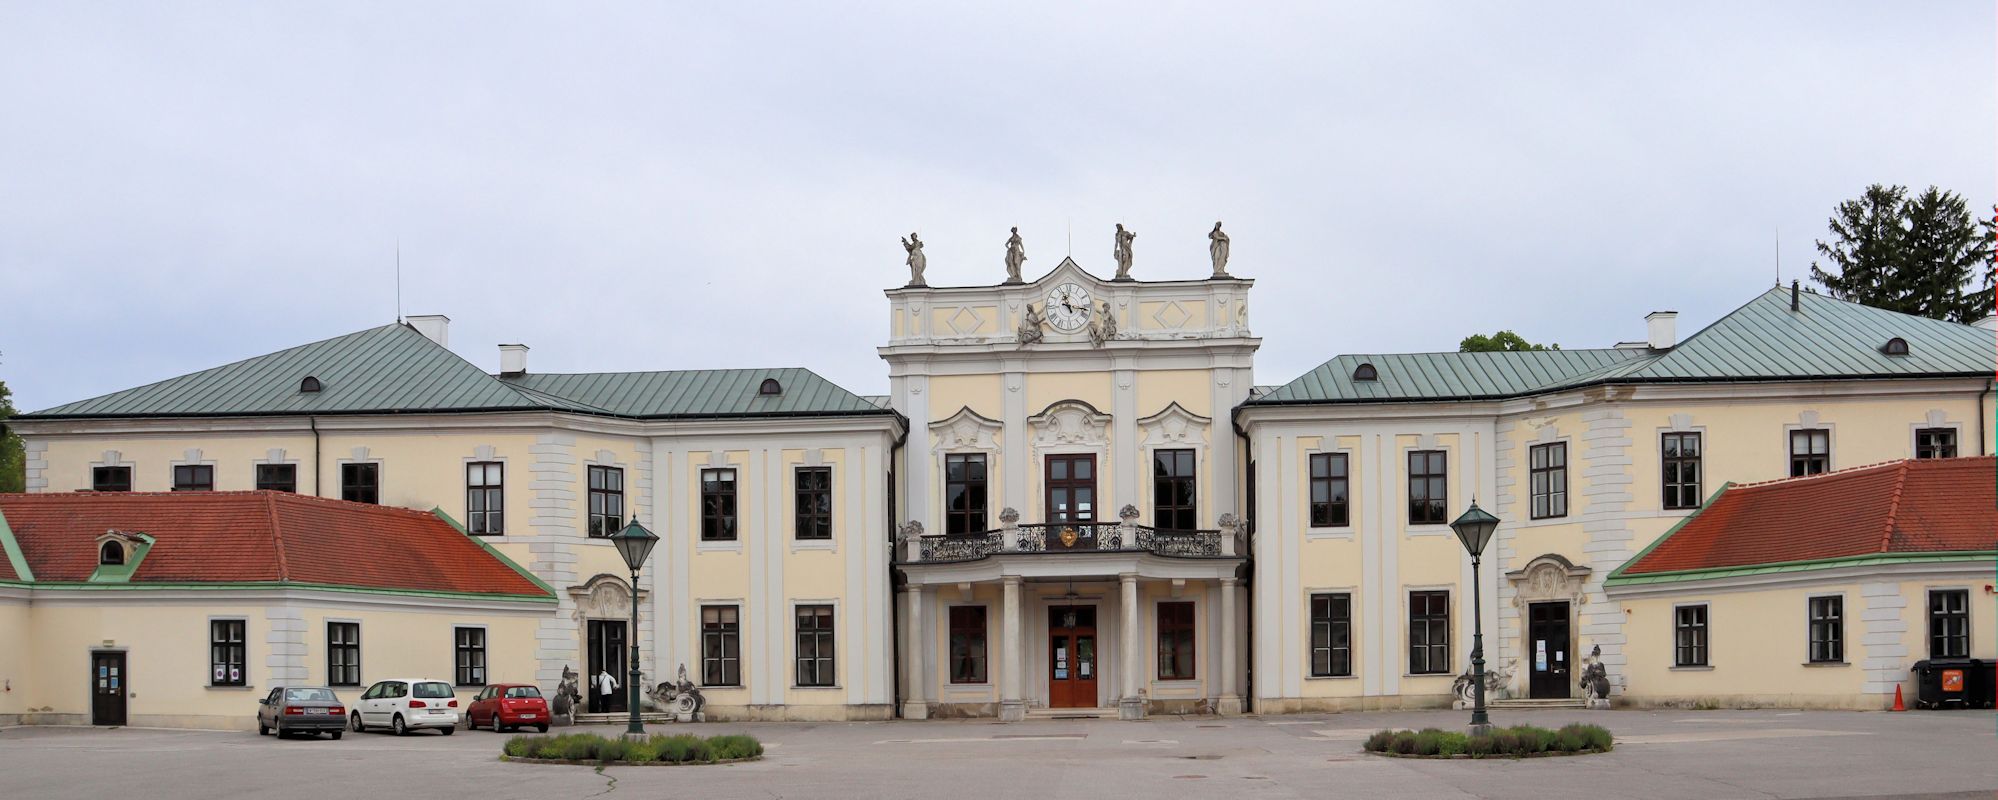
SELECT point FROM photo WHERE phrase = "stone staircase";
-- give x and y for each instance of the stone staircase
(1525, 704)
(1071, 713)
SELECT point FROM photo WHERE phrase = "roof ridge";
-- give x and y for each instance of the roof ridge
(277, 537)
(1893, 507)
(218, 367)
(1794, 479)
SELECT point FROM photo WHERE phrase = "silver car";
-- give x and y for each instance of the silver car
(301, 709)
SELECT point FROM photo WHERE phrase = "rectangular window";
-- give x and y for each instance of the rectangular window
(1428, 490)
(1173, 505)
(343, 654)
(1949, 624)
(1680, 468)
(110, 479)
(1689, 628)
(606, 500)
(1330, 507)
(1549, 474)
(193, 478)
(361, 483)
(967, 644)
(721, 646)
(471, 647)
(1176, 641)
(718, 505)
(485, 498)
(1331, 635)
(815, 506)
(815, 646)
(1827, 629)
(1810, 452)
(1428, 633)
(964, 493)
(1935, 443)
(226, 655)
(277, 477)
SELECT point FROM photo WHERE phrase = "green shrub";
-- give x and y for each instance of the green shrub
(1586, 737)
(678, 748)
(673, 749)
(1520, 740)
(1478, 746)
(636, 752)
(1506, 743)
(1378, 742)
(519, 747)
(735, 746)
(1403, 743)
(612, 750)
(580, 747)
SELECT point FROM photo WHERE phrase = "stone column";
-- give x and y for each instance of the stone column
(1011, 707)
(1131, 706)
(1231, 694)
(916, 705)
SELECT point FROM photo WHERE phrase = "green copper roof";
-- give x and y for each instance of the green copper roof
(1762, 340)
(394, 369)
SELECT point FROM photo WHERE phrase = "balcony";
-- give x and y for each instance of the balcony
(1054, 539)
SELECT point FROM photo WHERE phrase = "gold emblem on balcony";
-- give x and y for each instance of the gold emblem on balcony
(1068, 537)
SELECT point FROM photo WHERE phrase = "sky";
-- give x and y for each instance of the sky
(674, 186)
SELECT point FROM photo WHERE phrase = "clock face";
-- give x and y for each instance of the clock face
(1068, 307)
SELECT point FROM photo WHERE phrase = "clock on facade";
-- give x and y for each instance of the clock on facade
(1068, 307)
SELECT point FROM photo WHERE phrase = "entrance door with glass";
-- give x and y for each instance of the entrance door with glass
(1547, 635)
(107, 695)
(608, 651)
(1072, 657)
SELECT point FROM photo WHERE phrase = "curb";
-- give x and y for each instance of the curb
(593, 763)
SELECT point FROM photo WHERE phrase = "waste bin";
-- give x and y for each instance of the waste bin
(1955, 683)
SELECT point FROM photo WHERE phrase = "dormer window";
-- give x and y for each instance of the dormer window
(111, 554)
(1366, 372)
(1896, 346)
(309, 386)
(770, 387)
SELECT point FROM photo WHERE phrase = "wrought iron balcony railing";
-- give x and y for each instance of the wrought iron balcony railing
(1072, 537)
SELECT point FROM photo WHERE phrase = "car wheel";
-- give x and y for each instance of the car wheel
(397, 725)
(336, 735)
(448, 731)
(262, 731)
(543, 727)
(497, 727)
(357, 725)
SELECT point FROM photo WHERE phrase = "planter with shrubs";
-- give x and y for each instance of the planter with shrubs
(1521, 741)
(660, 750)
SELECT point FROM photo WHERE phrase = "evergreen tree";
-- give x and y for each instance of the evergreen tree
(1503, 341)
(13, 458)
(1922, 255)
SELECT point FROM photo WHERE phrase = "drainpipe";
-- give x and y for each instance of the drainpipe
(314, 422)
(894, 599)
(1247, 573)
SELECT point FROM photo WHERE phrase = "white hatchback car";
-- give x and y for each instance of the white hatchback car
(406, 704)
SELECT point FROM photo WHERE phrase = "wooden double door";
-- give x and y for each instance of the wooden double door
(608, 652)
(1547, 638)
(1072, 662)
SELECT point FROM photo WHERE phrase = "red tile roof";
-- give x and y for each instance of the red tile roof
(237, 537)
(1903, 507)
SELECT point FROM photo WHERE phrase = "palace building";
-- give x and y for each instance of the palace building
(1075, 499)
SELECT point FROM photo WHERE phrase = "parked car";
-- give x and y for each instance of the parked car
(301, 709)
(509, 705)
(406, 704)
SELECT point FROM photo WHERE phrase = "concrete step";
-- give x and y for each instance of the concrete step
(1071, 713)
(1527, 703)
(621, 716)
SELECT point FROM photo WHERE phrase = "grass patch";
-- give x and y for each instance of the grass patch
(1515, 742)
(660, 748)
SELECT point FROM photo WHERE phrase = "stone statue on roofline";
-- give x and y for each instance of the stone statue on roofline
(1217, 249)
(917, 261)
(1121, 252)
(1016, 256)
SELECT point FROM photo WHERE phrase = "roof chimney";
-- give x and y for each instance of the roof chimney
(1793, 296)
(513, 360)
(1663, 329)
(435, 327)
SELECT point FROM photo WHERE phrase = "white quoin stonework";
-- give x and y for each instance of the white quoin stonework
(1606, 462)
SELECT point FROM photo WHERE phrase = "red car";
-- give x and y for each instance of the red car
(509, 705)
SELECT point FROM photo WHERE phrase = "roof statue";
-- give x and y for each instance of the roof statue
(917, 263)
(1217, 248)
(1016, 255)
(1122, 252)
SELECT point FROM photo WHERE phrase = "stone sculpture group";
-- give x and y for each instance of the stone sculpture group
(1016, 255)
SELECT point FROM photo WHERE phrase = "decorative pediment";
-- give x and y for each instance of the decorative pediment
(1548, 577)
(603, 596)
(966, 430)
(1069, 422)
(1066, 271)
(1174, 425)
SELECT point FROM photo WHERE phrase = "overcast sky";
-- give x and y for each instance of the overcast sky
(632, 187)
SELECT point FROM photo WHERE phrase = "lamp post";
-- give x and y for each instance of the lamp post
(1474, 529)
(634, 543)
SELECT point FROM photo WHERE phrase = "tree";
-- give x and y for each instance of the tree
(1922, 255)
(13, 456)
(1501, 342)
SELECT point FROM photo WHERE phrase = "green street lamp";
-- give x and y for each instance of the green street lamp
(634, 543)
(1474, 529)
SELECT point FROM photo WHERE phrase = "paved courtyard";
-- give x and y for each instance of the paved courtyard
(1699, 755)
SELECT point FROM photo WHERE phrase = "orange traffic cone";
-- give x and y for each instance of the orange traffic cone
(1898, 705)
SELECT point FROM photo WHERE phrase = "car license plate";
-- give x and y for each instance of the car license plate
(527, 716)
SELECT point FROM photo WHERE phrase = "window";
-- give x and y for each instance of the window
(226, 655)
(1689, 628)
(1549, 474)
(361, 483)
(1935, 443)
(1173, 505)
(1329, 496)
(471, 647)
(309, 385)
(485, 497)
(111, 554)
(193, 478)
(1331, 635)
(815, 646)
(815, 506)
(1949, 623)
(967, 644)
(964, 493)
(110, 479)
(343, 654)
(721, 646)
(1428, 495)
(718, 505)
(606, 500)
(1176, 641)
(1810, 451)
(1428, 633)
(1896, 346)
(277, 477)
(1827, 629)
(769, 387)
(1680, 468)
(1366, 372)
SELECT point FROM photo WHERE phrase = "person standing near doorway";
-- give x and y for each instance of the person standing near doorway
(606, 686)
